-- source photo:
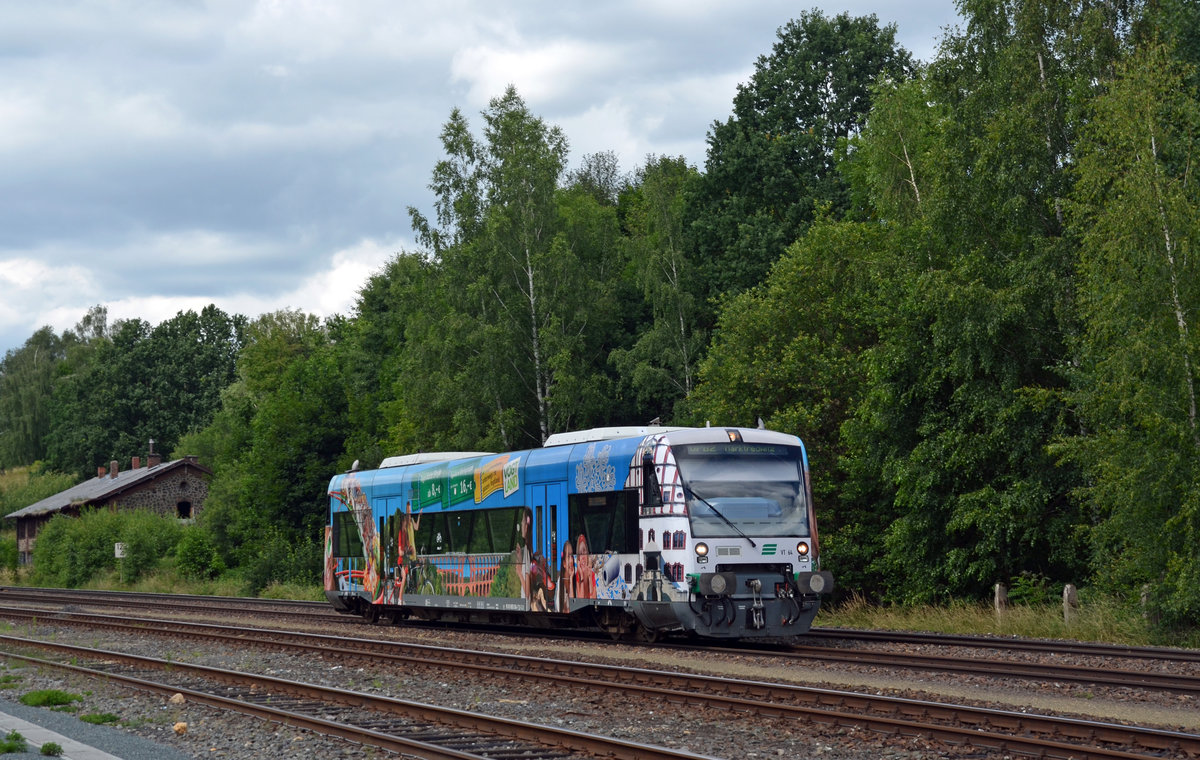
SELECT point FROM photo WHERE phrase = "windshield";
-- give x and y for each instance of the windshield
(756, 487)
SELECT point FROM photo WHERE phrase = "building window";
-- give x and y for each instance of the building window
(183, 510)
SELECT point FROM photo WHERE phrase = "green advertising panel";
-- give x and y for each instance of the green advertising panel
(461, 484)
(433, 488)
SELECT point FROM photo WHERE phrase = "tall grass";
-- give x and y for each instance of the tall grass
(1095, 619)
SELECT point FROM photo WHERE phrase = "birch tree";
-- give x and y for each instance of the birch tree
(1138, 217)
(522, 265)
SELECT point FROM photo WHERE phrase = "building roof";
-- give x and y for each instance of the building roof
(103, 487)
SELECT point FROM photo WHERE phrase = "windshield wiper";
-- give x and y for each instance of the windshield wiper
(717, 512)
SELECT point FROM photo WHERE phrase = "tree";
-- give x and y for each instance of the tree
(1137, 215)
(26, 384)
(374, 351)
(661, 365)
(522, 268)
(952, 431)
(772, 165)
(278, 436)
(135, 383)
(791, 353)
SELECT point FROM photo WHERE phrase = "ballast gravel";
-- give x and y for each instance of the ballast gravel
(213, 733)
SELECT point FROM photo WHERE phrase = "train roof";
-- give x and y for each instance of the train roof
(606, 434)
(426, 457)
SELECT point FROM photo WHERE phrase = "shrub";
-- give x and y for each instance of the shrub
(8, 552)
(148, 538)
(71, 551)
(278, 560)
(1030, 588)
(196, 555)
(52, 749)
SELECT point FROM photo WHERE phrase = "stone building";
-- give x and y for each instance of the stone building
(176, 488)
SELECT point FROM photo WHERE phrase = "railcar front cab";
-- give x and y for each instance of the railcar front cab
(753, 569)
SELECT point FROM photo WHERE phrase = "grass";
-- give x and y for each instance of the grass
(99, 718)
(1101, 620)
(12, 742)
(49, 698)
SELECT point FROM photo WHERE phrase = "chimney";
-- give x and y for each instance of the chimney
(153, 459)
(101, 472)
(137, 463)
(112, 469)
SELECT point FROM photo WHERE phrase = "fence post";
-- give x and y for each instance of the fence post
(1000, 600)
(1070, 602)
(1146, 613)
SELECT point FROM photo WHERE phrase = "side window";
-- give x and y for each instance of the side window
(432, 535)
(481, 535)
(460, 524)
(346, 541)
(607, 521)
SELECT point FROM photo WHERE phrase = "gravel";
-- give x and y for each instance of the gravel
(216, 734)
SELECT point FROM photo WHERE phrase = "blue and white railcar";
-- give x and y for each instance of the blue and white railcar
(640, 531)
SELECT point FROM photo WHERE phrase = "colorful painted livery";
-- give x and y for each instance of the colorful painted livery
(639, 531)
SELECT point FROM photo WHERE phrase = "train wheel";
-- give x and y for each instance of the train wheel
(617, 624)
(371, 614)
(645, 635)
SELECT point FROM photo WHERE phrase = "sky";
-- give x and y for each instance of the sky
(261, 155)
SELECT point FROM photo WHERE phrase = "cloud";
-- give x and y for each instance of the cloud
(38, 294)
(261, 155)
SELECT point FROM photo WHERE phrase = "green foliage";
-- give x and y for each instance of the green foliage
(13, 742)
(99, 718)
(1030, 588)
(141, 382)
(70, 551)
(51, 749)
(277, 558)
(49, 698)
(525, 307)
(196, 555)
(22, 486)
(778, 356)
(771, 166)
(8, 552)
(661, 365)
(148, 538)
(1136, 384)
(26, 382)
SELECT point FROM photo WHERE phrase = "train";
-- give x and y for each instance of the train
(639, 531)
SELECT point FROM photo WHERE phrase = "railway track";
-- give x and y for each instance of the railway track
(1040, 646)
(397, 725)
(1107, 676)
(1022, 733)
(309, 610)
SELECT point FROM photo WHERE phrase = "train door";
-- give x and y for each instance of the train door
(556, 511)
(545, 534)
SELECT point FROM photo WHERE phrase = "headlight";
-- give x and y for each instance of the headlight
(701, 549)
(802, 549)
